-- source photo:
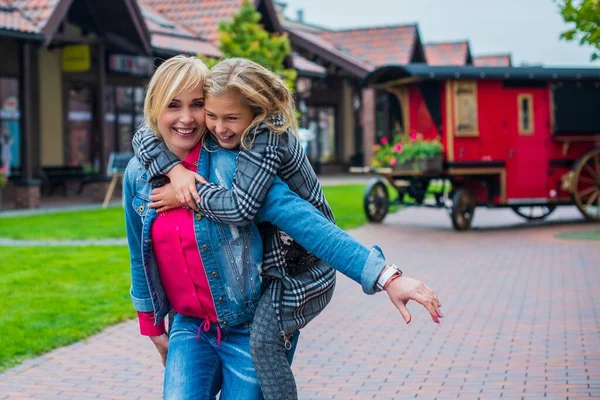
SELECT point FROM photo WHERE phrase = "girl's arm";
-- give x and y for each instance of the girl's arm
(153, 153)
(255, 170)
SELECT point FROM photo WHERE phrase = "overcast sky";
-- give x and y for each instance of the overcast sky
(528, 29)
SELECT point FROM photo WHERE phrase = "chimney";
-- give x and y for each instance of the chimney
(300, 15)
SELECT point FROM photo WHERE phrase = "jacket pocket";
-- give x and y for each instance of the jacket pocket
(140, 205)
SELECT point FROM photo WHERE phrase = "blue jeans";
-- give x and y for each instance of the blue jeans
(199, 368)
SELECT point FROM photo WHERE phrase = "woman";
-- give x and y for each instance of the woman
(208, 273)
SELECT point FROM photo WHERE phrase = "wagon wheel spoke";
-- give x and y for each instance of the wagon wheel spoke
(592, 173)
(597, 163)
(592, 198)
(587, 191)
(587, 180)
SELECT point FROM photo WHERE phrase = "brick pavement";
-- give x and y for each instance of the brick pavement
(522, 321)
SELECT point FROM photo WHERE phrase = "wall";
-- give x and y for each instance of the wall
(51, 107)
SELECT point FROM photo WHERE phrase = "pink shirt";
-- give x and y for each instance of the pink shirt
(179, 264)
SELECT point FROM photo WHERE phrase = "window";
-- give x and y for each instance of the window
(10, 127)
(466, 118)
(525, 113)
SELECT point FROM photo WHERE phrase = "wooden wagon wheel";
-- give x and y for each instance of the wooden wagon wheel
(463, 208)
(586, 185)
(376, 201)
(533, 213)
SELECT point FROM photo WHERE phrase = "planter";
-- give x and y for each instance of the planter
(423, 165)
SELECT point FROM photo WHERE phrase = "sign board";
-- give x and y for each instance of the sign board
(76, 58)
(131, 65)
(117, 162)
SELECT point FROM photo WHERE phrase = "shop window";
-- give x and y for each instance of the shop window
(322, 125)
(525, 104)
(10, 127)
(465, 100)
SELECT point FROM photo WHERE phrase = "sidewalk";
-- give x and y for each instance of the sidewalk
(522, 321)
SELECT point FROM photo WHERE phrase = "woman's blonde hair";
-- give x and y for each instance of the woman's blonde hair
(176, 75)
(261, 89)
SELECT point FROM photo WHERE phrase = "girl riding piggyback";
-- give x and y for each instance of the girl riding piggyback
(248, 108)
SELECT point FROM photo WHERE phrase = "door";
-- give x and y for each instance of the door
(79, 126)
(527, 124)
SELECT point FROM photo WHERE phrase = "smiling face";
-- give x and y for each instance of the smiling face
(227, 117)
(182, 122)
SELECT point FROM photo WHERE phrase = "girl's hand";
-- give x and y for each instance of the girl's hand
(164, 199)
(403, 289)
(162, 345)
(184, 184)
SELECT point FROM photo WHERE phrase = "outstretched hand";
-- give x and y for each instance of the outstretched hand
(404, 289)
(184, 185)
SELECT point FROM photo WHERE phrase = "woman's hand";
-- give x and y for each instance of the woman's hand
(164, 199)
(162, 345)
(403, 289)
(184, 184)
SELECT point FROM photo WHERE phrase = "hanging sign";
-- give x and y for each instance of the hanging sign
(76, 58)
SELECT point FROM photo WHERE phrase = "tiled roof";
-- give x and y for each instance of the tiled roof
(175, 44)
(12, 19)
(201, 17)
(501, 60)
(306, 67)
(448, 53)
(36, 11)
(328, 51)
(377, 46)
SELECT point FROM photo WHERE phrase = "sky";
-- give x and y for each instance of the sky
(528, 29)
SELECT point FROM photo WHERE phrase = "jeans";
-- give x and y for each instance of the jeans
(200, 368)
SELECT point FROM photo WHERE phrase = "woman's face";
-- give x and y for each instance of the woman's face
(227, 117)
(182, 122)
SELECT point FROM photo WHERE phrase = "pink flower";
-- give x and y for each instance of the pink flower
(413, 136)
(376, 147)
(398, 148)
(384, 140)
(393, 162)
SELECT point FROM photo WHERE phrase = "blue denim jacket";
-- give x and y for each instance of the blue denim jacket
(232, 255)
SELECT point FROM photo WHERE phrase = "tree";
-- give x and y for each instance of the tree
(585, 14)
(245, 37)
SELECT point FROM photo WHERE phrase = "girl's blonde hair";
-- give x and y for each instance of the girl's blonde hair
(176, 75)
(260, 88)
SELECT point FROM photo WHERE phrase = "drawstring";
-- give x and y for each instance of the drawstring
(205, 325)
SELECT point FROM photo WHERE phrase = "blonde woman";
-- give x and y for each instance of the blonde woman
(250, 110)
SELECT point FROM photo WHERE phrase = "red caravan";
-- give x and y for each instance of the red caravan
(526, 138)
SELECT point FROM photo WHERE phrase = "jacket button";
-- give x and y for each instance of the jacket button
(141, 208)
(220, 299)
(214, 274)
(198, 217)
(204, 247)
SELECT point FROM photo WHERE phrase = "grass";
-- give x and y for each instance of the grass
(55, 296)
(96, 224)
(581, 235)
(345, 200)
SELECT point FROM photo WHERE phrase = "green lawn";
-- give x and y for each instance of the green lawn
(95, 224)
(346, 202)
(581, 235)
(55, 296)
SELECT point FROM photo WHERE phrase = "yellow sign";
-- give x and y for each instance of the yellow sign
(76, 58)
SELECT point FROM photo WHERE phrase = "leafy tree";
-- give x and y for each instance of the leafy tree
(245, 37)
(585, 14)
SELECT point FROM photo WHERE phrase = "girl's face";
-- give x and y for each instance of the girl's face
(227, 117)
(182, 122)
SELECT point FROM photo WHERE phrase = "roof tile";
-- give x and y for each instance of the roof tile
(12, 19)
(500, 60)
(447, 53)
(377, 46)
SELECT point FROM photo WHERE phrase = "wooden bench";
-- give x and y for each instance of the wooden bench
(58, 176)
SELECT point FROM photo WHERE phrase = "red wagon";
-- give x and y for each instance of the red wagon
(524, 138)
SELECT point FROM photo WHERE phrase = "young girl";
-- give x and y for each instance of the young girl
(248, 106)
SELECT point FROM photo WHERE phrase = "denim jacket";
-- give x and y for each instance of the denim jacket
(232, 255)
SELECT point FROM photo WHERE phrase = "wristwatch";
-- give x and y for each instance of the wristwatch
(386, 275)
